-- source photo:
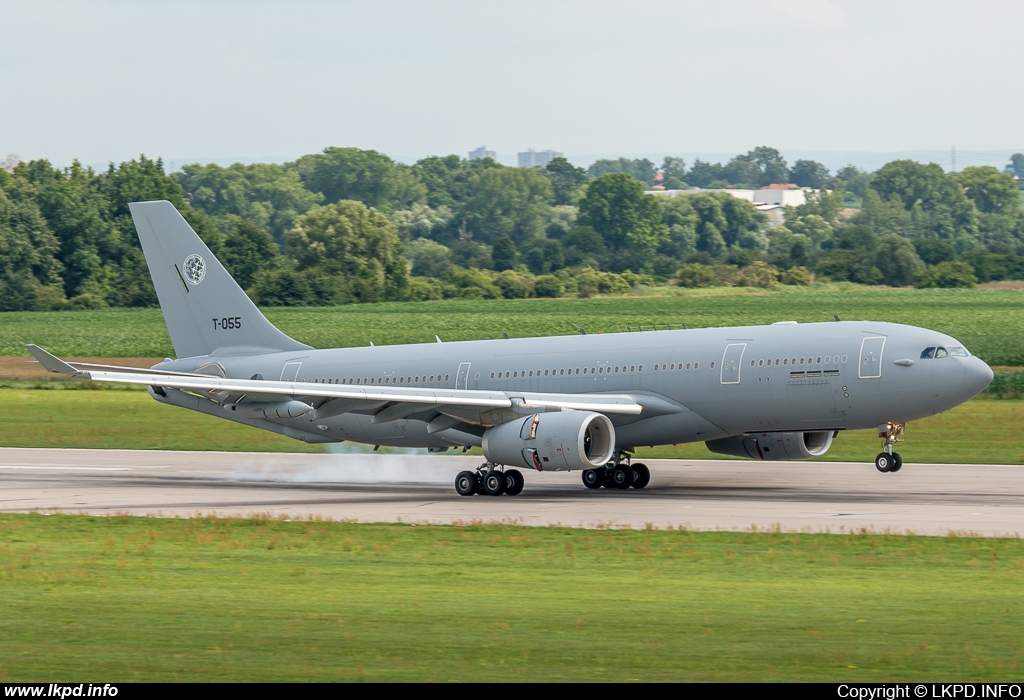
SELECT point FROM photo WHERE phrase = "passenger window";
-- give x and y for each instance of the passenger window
(940, 352)
(927, 353)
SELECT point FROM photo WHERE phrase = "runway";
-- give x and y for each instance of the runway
(980, 500)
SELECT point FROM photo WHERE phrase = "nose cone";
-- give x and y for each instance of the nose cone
(977, 376)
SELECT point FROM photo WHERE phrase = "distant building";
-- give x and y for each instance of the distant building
(482, 152)
(772, 200)
(537, 159)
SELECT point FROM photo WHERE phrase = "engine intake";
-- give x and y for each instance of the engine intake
(771, 447)
(557, 441)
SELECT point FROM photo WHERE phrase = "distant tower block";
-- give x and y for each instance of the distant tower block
(537, 159)
(482, 152)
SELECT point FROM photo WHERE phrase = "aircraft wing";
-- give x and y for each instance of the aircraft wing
(359, 396)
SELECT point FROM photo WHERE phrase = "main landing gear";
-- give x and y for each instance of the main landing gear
(490, 480)
(618, 475)
(888, 461)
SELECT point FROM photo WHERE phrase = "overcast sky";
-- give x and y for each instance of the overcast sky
(107, 80)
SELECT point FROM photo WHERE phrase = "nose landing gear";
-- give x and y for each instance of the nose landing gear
(888, 461)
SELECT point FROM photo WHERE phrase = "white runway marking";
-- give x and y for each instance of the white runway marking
(64, 468)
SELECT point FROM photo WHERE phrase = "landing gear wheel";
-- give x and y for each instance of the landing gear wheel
(493, 483)
(885, 462)
(641, 475)
(622, 477)
(593, 478)
(514, 482)
(465, 483)
(899, 462)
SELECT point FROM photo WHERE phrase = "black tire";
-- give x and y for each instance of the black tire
(593, 478)
(494, 483)
(622, 477)
(641, 476)
(514, 482)
(884, 462)
(899, 462)
(465, 483)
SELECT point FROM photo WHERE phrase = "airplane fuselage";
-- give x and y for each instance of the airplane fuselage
(696, 385)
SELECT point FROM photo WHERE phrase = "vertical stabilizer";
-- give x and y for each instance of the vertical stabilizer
(204, 308)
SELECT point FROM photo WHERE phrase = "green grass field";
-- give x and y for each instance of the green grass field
(136, 599)
(982, 431)
(990, 322)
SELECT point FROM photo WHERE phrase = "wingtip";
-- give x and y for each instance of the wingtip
(51, 363)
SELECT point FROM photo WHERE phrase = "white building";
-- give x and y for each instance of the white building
(482, 152)
(771, 200)
(537, 159)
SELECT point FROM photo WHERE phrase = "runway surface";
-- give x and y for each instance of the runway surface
(986, 500)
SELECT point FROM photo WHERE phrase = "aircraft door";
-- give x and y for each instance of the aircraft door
(462, 378)
(290, 371)
(870, 366)
(731, 362)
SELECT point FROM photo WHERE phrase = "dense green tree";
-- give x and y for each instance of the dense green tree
(742, 172)
(248, 249)
(282, 287)
(681, 219)
(449, 179)
(421, 221)
(998, 201)
(513, 202)
(543, 256)
(702, 174)
(991, 191)
(946, 275)
(770, 163)
(584, 246)
(354, 243)
(1016, 165)
(503, 254)
(853, 179)
(363, 176)
(269, 195)
(27, 245)
(933, 251)
(674, 168)
(808, 173)
(616, 207)
(896, 259)
(640, 169)
(428, 258)
(566, 179)
(937, 204)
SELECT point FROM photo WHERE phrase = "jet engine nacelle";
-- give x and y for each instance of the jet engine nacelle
(557, 441)
(775, 446)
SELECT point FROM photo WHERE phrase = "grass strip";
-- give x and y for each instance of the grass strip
(990, 322)
(143, 599)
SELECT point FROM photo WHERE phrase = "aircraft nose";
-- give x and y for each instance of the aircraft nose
(977, 376)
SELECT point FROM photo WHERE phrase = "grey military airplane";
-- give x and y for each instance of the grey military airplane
(584, 402)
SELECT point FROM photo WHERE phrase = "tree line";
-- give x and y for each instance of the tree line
(349, 225)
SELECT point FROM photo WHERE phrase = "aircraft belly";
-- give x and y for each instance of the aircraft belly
(674, 428)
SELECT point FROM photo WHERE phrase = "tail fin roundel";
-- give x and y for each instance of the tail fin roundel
(205, 310)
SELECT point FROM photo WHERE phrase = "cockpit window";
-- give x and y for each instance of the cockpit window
(927, 353)
(958, 351)
(940, 352)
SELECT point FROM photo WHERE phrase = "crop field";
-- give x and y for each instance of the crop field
(990, 322)
(137, 599)
(982, 431)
